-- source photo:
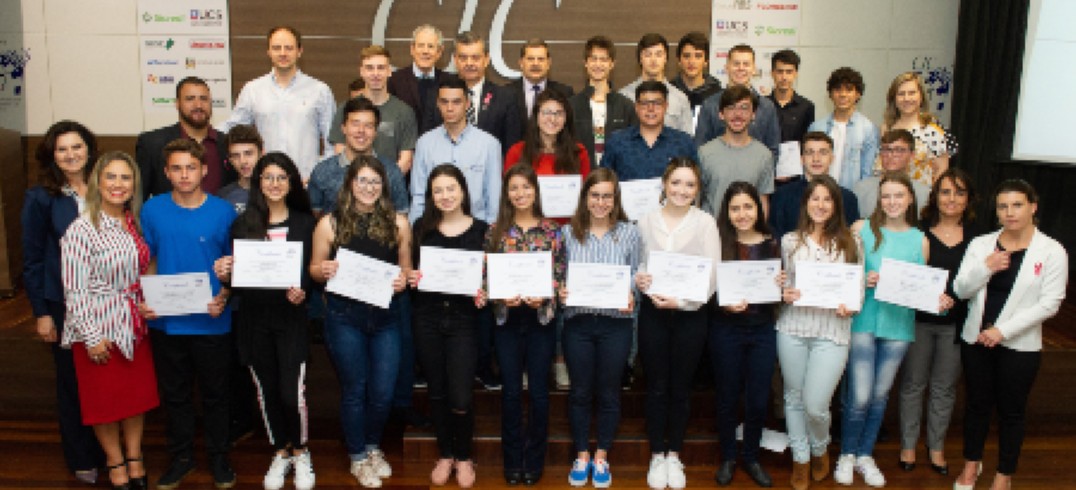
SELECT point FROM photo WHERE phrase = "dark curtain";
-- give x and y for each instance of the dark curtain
(986, 91)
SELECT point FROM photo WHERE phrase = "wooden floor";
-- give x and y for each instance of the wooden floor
(32, 457)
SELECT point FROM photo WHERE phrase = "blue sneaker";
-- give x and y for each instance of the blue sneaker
(602, 478)
(579, 474)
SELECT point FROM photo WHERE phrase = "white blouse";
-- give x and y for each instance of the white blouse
(695, 235)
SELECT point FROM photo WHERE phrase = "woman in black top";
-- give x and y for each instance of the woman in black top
(445, 328)
(743, 342)
(271, 332)
(934, 357)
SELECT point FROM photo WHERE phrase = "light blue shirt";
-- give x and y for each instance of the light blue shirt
(860, 147)
(476, 153)
(295, 119)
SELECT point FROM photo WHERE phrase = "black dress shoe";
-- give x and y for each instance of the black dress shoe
(906, 466)
(755, 471)
(725, 471)
(531, 479)
(513, 478)
(940, 469)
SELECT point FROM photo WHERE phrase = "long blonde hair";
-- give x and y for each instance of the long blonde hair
(892, 114)
(93, 188)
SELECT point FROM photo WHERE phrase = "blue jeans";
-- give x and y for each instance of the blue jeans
(364, 344)
(595, 349)
(811, 368)
(525, 346)
(872, 367)
(405, 380)
(743, 358)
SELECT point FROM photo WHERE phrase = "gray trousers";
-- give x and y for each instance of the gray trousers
(933, 358)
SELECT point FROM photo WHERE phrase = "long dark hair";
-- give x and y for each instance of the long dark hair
(581, 218)
(931, 215)
(254, 222)
(724, 225)
(506, 214)
(49, 175)
(566, 146)
(381, 225)
(431, 215)
(878, 216)
(835, 231)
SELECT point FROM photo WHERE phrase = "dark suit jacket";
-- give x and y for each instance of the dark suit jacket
(149, 153)
(619, 114)
(404, 85)
(45, 219)
(499, 115)
(516, 86)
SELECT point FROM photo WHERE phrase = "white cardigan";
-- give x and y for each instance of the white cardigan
(1035, 297)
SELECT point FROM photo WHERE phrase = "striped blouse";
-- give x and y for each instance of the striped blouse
(621, 245)
(808, 321)
(100, 270)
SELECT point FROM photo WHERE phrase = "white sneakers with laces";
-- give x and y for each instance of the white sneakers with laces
(304, 471)
(845, 470)
(871, 474)
(658, 477)
(278, 470)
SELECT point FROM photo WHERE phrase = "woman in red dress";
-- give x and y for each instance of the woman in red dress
(102, 257)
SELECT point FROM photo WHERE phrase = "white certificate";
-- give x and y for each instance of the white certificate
(267, 265)
(524, 274)
(178, 294)
(639, 197)
(451, 271)
(790, 162)
(754, 281)
(598, 285)
(362, 278)
(829, 285)
(560, 194)
(680, 276)
(912, 285)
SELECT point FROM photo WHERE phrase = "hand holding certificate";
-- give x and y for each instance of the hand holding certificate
(520, 275)
(362, 278)
(680, 276)
(598, 285)
(829, 285)
(450, 271)
(267, 264)
(178, 294)
(912, 285)
(560, 194)
(753, 281)
(639, 197)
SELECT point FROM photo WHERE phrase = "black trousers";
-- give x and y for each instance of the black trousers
(280, 380)
(671, 344)
(998, 378)
(446, 342)
(81, 450)
(180, 360)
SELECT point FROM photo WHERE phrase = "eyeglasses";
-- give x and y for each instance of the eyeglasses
(555, 114)
(895, 150)
(279, 178)
(651, 103)
(601, 197)
(365, 182)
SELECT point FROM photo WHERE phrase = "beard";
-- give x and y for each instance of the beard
(190, 120)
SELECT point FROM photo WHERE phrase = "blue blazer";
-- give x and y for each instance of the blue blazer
(45, 219)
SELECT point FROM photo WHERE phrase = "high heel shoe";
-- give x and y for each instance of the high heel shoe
(119, 486)
(960, 486)
(137, 482)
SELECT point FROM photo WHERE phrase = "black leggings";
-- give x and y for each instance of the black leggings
(997, 377)
(671, 344)
(447, 346)
(280, 383)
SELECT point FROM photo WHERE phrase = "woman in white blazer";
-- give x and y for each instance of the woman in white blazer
(1015, 279)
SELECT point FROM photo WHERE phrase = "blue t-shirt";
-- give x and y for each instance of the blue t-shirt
(186, 240)
(235, 194)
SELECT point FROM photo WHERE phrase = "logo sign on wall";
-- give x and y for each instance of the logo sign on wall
(13, 60)
(765, 25)
(178, 40)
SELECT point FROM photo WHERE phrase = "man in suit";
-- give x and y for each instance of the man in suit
(417, 85)
(534, 62)
(195, 107)
(493, 108)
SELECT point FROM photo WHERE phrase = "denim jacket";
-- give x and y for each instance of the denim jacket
(860, 147)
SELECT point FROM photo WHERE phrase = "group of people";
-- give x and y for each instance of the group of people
(422, 158)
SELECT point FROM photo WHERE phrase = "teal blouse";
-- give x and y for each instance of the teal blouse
(885, 320)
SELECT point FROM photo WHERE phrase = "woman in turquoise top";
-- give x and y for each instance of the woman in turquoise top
(881, 332)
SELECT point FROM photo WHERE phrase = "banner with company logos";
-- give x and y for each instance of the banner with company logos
(14, 56)
(766, 25)
(178, 40)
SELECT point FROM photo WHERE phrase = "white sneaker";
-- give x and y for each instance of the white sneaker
(871, 474)
(278, 469)
(560, 374)
(365, 473)
(846, 465)
(676, 478)
(658, 477)
(304, 471)
(377, 460)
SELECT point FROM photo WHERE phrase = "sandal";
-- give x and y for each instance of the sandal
(119, 486)
(137, 482)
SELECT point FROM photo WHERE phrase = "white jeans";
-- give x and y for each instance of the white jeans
(811, 368)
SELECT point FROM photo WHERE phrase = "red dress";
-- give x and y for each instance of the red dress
(120, 388)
